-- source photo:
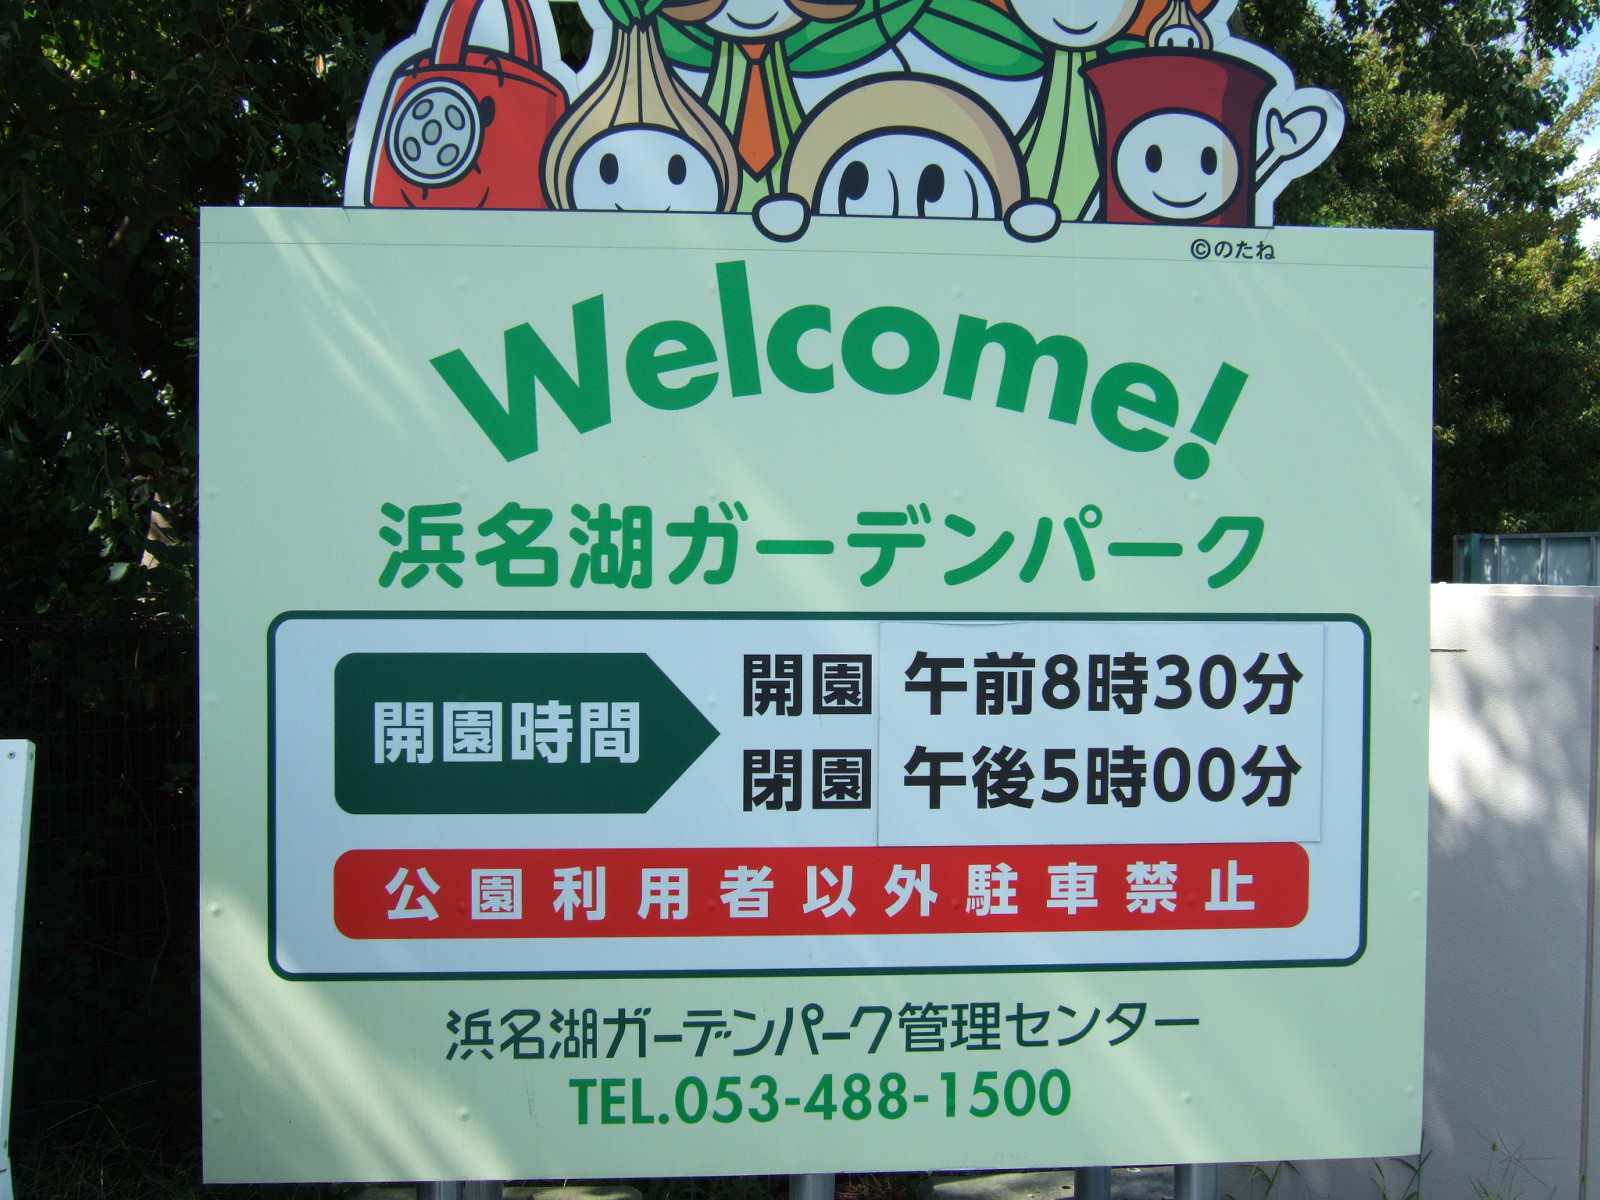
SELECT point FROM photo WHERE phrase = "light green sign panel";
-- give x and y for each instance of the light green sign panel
(677, 703)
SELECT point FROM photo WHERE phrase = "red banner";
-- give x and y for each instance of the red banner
(817, 891)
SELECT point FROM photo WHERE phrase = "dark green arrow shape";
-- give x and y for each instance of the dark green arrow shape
(378, 754)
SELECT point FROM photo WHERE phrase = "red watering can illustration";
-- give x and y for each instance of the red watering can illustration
(464, 126)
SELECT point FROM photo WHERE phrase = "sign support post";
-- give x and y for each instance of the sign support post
(1091, 1183)
(460, 1189)
(1195, 1181)
(16, 808)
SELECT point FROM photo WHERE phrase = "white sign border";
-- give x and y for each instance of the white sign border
(1158, 949)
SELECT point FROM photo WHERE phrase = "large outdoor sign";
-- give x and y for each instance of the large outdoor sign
(699, 683)
(682, 703)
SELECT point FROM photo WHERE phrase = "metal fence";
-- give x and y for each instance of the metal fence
(1564, 558)
(108, 1009)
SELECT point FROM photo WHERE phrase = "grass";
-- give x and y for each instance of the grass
(1510, 1177)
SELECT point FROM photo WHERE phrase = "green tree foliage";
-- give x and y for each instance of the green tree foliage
(1459, 123)
(119, 121)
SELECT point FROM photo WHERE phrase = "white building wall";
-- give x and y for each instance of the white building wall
(1511, 901)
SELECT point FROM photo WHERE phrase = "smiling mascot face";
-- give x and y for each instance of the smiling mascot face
(1177, 166)
(1075, 24)
(642, 168)
(756, 20)
(1180, 142)
(740, 19)
(906, 175)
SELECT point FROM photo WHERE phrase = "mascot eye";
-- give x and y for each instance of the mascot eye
(1208, 160)
(677, 169)
(1152, 159)
(608, 167)
(853, 183)
(930, 187)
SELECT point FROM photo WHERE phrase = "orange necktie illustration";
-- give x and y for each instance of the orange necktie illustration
(757, 136)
